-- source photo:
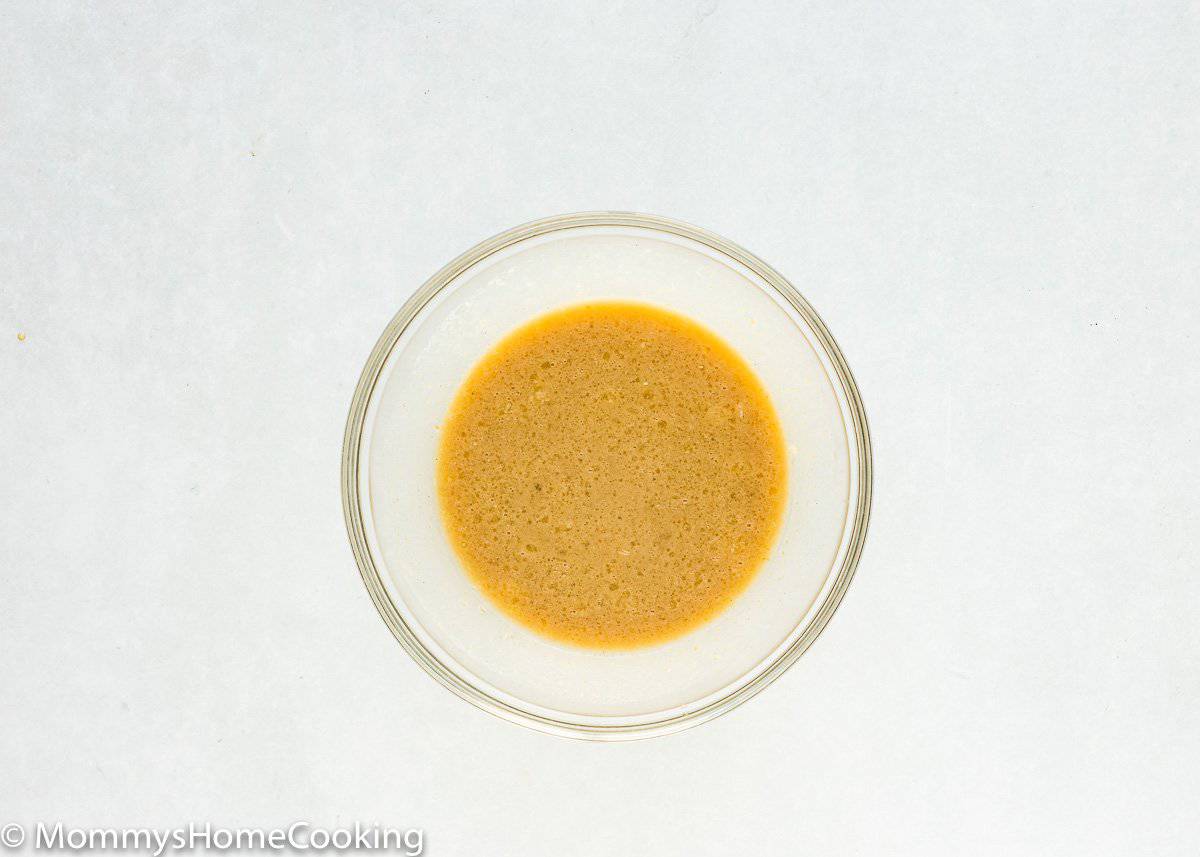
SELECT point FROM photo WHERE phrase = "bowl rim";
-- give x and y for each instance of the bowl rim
(356, 525)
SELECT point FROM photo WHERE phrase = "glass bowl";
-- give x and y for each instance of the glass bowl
(390, 496)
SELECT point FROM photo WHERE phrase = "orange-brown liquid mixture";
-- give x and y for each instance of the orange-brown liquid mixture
(612, 475)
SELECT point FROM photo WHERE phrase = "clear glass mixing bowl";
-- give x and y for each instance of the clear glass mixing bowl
(390, 499)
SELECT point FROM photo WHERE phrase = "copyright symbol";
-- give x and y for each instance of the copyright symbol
(12, 835)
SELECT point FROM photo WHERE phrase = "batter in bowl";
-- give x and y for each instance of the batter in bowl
(612, 475)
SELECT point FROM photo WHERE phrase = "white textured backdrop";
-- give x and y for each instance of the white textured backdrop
(207, 215)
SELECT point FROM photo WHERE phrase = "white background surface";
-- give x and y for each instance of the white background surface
(208, 215)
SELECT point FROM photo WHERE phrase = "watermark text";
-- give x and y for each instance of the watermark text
(298, 836)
